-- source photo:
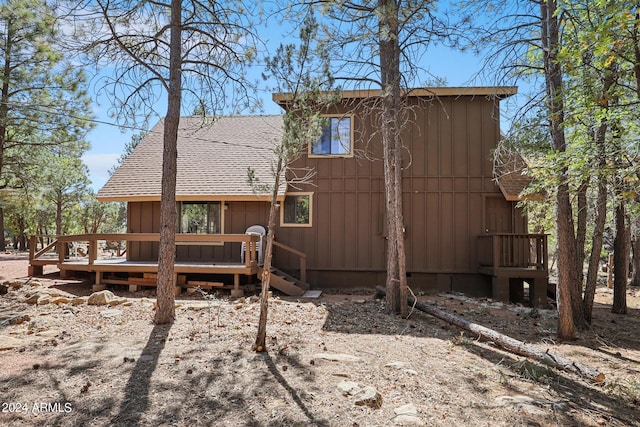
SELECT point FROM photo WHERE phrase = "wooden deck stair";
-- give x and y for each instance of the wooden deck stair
(286, 283)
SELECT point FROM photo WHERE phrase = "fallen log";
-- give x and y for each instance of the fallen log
(506, 342)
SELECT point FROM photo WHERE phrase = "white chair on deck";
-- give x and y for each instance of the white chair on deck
(257, 230)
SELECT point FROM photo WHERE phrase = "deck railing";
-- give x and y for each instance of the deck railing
(511, 250)
(301, 256)
(61, 244)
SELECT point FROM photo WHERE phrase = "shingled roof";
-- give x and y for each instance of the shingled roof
(509, 171)
(213, 158)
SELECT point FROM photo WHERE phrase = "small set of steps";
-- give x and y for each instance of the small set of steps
(286, 283)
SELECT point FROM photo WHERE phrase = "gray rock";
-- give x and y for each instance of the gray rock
(408, 409)
(407, 415)
(101, 298)
(368, 396)
(348, 388)
(109, 314)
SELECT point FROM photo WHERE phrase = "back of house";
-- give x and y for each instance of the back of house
(336, 220)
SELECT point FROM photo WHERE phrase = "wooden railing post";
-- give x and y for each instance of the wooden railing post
(93, 250)
(32, 247)
(496, 253)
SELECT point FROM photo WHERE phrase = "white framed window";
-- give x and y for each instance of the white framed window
(200, 217)
(336, 139)
(296, 210)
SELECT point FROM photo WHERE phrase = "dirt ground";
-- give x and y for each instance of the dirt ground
(76, 365)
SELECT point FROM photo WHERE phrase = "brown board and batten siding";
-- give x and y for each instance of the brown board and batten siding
(447, 178)
(144, 217)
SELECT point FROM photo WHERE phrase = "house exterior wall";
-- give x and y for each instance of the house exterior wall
(144, 217)
(447, 180)
(450, 198)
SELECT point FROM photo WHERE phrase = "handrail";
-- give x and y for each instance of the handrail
(513, 250)
(301, 255)
(251, 258)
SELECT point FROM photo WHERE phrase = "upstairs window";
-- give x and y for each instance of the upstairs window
(297, 210)
(336, 139)
(200, 217)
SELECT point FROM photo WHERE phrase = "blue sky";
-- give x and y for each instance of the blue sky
(108, 141)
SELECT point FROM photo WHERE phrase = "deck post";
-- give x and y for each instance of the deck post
(98, 286)
(35, 270)
(177, 289)
(236, 292)
(538, 292)
(500, 291)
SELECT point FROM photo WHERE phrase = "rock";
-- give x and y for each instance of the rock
(348, 388)
(109, 314)
(408, 409)
(117, 301)
(101, 298)
(4, 289)
(33, 299)
(78, 301)
(9, 343)
(337, 357)
(44, 300)
(407, 415)
(368, 396)
(60, 300)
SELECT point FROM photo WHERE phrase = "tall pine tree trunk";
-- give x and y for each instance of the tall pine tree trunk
(635, 246)
(599, 139)
(390, 75)
(598, 232)
(566, 242)
(165, 312)
(620, 262)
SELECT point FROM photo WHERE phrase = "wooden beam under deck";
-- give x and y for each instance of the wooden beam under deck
(123, 266)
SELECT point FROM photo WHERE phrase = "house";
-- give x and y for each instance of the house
(464, 231)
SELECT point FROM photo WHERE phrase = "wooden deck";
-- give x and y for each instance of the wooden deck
(512, 259)
(120, 270)
(104, 265)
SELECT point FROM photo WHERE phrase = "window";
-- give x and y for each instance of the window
(336, 139)
(297, 210)
(201, 217)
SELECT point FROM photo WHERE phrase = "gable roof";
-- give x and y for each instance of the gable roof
(212, 161)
